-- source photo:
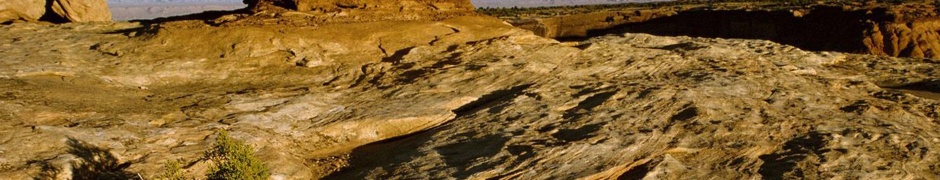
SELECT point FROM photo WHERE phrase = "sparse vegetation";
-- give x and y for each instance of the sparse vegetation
(234, 160)
(172, 171)
(229, 159)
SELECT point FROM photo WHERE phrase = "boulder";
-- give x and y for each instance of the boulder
(82, 10)
(22, 10)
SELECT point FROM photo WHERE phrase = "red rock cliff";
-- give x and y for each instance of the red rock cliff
(910, 38)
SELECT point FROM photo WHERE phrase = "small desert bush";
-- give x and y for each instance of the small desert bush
(234, 160)
(172, 171)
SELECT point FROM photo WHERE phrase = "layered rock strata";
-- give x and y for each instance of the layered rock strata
(462, 97)
(467, 97)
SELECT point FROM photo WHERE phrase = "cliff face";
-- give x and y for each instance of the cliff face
(903, 31)
(911, 38)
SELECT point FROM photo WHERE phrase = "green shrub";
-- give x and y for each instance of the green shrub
(234, 160)
(172, 171)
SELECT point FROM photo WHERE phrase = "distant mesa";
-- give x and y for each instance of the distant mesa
(60, 11)
(318, 12)
(333, 5)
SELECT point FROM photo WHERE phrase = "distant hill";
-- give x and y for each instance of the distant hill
(173, 2)
(478, 3)
(148, 9)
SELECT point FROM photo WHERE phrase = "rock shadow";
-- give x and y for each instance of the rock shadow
(92, 163)
(491, 99)
(581, 133)
(459, 156)
(462, 154)
(51, 16)
(588, 104)
(207, 17)
(925, 89)
(778, 165)
(146, 29)
(639, 172)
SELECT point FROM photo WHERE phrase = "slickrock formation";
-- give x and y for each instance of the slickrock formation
(294, 90)
(460, 97)
(61, 10)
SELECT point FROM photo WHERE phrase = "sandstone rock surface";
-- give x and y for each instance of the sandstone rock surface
(22, 10)
(467, 98)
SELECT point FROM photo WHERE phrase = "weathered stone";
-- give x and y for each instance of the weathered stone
(82, 10)
(23, 10)
(461, 98)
